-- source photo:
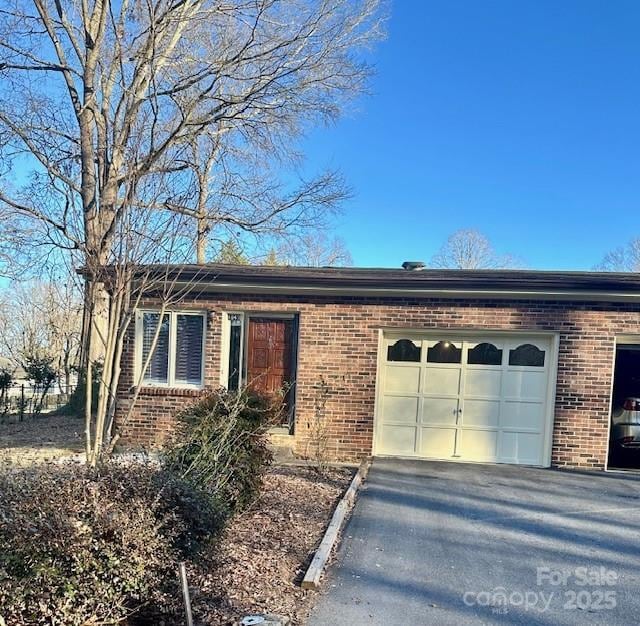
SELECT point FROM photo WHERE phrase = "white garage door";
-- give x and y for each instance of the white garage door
(481, 398)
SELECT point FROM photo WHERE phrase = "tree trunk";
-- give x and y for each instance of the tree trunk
(87, 411)
(201, 239)
(95, 323)
(100, 326)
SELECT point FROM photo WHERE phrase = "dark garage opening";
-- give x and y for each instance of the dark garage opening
(624, 439)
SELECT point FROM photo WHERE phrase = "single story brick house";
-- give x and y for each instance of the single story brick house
(502, 366)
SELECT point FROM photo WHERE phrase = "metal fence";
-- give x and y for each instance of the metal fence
(22, 400)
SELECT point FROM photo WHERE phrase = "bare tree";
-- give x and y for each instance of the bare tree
(470, 249)
(623, 259)
(145, 243)
(231, 195)
(313, 249)
(42, 320)
(117, 106)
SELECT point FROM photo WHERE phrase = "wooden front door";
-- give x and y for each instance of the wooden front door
(269, 354)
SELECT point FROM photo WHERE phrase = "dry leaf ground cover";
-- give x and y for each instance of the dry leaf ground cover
(258, 565)
(42, 438)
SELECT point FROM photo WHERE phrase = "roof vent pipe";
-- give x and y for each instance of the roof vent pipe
(413, 265)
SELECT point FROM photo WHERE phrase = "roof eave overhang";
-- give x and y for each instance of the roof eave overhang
(228, 287)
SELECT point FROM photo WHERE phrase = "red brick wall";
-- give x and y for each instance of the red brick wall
(339, 340)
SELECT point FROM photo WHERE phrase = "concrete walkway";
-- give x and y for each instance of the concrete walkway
(446, 543)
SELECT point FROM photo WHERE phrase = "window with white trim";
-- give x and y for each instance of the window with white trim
(236, 346)
(178, 357)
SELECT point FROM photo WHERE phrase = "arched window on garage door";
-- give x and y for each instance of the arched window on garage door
(484, 354)
(527, 355)
(444, 352)
(404, 350)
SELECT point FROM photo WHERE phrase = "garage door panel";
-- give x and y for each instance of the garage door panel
(529, 447)
(399, 379)
(481, 413)
(478, 445)
(508, 447)
(525, 415)
(439, 411)
(442, 381)
(483, 383)
(437, 442)
(400, 409)
(398, 440)
(520, 448)
(525, 384)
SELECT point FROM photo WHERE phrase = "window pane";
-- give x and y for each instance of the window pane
(159, 364)
(234, 357)
(444, 352)
(527, 355)
(189, 331)
(404, 350)
(484, 354)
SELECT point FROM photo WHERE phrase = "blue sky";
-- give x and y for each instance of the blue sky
(520, 118)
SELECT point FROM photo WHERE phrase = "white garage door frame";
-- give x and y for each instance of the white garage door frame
(467, 334)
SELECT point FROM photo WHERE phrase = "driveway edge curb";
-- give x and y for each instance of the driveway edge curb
(311, 579)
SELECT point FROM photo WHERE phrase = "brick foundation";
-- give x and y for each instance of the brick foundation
(338, 340)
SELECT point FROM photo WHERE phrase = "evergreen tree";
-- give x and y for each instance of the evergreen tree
(230, 252)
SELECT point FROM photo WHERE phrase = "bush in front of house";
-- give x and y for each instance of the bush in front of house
(95, 546)
(99, 546)
(220, 445)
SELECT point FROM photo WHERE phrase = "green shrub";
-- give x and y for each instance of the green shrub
(220, 445)
(77, 399)
(94, 546)
(40, 370)
(6, 380)
(196, 517)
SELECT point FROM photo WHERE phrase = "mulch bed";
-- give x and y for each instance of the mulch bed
(263, 555)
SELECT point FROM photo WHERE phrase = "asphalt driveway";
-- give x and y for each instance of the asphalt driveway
(448, 543)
